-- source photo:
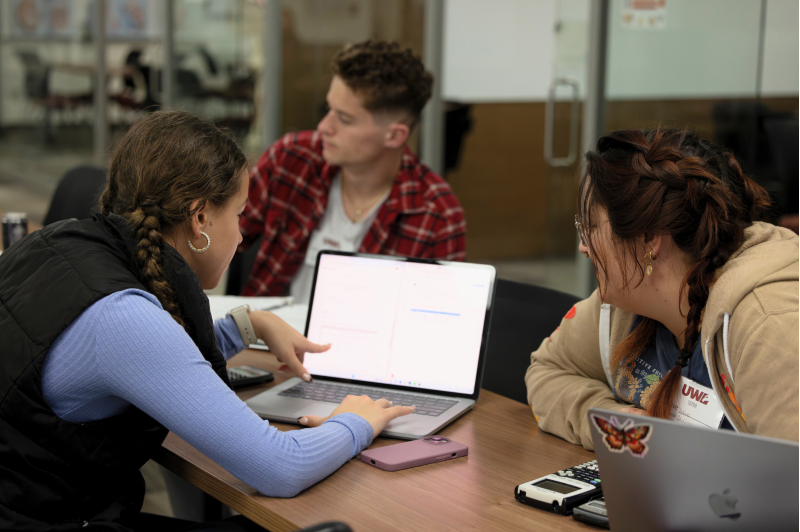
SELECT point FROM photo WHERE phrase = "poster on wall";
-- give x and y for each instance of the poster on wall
(42, 19)
(127, 19)
(644, 14)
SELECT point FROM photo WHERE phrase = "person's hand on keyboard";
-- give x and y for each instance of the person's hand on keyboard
(288, 345)
(377, 413)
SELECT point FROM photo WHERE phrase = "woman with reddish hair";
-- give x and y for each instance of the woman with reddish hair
(693, 289)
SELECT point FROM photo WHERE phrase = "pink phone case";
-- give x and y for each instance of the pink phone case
(414, 453)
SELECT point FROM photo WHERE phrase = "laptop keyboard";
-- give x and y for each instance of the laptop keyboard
(330, 393)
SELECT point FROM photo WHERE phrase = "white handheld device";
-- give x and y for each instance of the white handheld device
(561, 491)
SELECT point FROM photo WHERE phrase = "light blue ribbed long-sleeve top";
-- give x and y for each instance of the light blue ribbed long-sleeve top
(126, 350)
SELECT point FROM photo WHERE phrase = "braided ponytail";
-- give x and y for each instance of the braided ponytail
(671, 182)
(164, 163)
(149, 259)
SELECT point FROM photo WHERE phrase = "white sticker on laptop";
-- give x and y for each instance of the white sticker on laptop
(697, 405)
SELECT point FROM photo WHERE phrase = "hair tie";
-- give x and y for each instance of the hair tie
(151, 207)
(150, 202)
(683, 358)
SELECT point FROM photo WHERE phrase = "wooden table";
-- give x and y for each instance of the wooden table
(474, 493)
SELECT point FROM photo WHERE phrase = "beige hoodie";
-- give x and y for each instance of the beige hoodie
(749, 335)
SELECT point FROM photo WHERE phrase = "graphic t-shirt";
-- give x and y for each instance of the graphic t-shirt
(638, 378)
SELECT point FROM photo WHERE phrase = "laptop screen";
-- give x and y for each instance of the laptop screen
(398, 322)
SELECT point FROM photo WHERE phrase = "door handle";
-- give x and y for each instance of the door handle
(549, 123)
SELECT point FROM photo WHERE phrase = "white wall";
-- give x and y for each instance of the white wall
(497, 51)
(508, 50)
(708, 48)
(781, 58)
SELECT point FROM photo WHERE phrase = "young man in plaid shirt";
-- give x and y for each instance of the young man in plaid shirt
(352, 184)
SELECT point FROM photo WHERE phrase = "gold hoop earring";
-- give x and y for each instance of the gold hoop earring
(649, 267)
(208, 244)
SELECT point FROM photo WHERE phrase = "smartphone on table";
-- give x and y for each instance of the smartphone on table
(414, 453)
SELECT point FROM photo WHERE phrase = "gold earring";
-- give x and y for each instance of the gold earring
(649, 267)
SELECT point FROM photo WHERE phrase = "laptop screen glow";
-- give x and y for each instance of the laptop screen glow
(397, 322)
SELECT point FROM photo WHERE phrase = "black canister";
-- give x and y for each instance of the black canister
(15, 227)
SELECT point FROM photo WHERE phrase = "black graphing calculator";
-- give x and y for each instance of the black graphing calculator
(593, 512)
(562, 491)
(242, 376)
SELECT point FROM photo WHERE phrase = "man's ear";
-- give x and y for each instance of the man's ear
(397, 135)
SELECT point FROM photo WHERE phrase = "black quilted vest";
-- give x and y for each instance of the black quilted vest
(54, 474)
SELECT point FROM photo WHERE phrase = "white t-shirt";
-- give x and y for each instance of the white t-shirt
(335, 231)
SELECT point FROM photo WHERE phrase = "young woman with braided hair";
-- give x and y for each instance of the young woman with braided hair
(691, 285)
(109, 343)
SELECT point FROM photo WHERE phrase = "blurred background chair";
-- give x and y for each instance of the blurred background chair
(39, 91)
(522, 317)
(77, 194)
(137, 85)
(765, 141)
(239, 269)
(457, 124)
(784, 140)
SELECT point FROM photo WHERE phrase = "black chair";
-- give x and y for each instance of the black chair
(782, 132)
(240, 268)
(38, 90)
(522, 317)
(138, 92)
(77, 194)
(457, 124)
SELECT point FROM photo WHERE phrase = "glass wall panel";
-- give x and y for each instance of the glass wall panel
(727, 68)
(217, 59)
(47, 85)
(501, 62)
(702, 64)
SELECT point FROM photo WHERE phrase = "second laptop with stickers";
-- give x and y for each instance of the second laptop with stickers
(411, 331)
(661, 475)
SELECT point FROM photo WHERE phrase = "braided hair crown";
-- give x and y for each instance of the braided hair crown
(666, 181)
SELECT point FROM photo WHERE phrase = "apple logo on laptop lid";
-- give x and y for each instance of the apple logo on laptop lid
(724, 505)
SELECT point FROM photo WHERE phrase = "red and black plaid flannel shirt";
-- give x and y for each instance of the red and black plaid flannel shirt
(288, 196)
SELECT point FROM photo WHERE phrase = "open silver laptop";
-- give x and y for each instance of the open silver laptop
(660, 475)
(410, 330)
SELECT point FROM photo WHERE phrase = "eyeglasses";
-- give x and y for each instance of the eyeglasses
(585, 227)
(580, 231)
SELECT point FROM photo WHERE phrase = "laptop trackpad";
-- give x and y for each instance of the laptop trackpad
(321, 410)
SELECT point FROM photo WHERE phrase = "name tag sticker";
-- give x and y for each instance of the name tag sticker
(695, 404)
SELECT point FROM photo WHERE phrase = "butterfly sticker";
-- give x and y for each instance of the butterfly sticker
(628, 436)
